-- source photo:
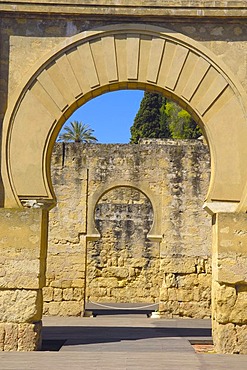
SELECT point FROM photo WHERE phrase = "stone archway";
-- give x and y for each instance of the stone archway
(118, 57)
(126, 56)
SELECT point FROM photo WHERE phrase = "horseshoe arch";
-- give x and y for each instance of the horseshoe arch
(124, 56)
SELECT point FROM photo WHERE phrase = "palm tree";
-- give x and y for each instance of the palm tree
(78, 132)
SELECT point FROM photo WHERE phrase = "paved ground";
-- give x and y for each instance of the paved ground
(128, 342)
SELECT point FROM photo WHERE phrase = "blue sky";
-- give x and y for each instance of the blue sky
(110, 115)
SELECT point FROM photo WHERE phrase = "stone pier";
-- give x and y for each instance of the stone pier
(22, 275)
(229, 287)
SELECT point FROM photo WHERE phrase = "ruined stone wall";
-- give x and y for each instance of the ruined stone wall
(124, 265)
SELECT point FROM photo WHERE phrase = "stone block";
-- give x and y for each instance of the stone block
(232, 233)
(180, 264)
(78, 283)
(47, 294)
(191, 309)
(172, 294)
(19, 273)
(238, 314)
(56, 283)
(52, 308)
(20, 337)
(225, 338)
(232, 269)
(187, 281)
(68, 294)
(225, 299)
(46, 308)
(169, 309)
(71, 308)
(204, 280)
(66, 283)
(29, 336)
(58, 294)
(230, 246)
(242, 339)
(78, 294)
(117, 272)
(184, 295)
(107, 282)
(11, 337)
(101, 292)
(194, 309)
(23, 247)
(20, 305)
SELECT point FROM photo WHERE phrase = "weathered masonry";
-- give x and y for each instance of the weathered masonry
(54, 57)
(123, 191)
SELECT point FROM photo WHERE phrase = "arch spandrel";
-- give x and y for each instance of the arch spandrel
(124, 56)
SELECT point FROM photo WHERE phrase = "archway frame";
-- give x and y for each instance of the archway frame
(124, 56)
(155, 231)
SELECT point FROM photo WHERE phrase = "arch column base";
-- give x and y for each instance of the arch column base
(20, 336)
(229, 283)
(23, 246)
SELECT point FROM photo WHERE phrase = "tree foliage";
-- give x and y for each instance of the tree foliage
(147, 120)
(180, 123)
(77, 132)
(159, 117)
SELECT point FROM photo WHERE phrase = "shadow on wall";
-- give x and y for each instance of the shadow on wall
(1, 180)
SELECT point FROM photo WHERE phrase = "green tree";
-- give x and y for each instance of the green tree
(164, 122)
(180, 123)
(159, 117)
(147, 120)
(78, 132)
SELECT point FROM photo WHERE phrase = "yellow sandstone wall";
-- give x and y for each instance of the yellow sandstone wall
(22, 261)
(29, 31)
(229, 293)
(124, 265)
(24, 40)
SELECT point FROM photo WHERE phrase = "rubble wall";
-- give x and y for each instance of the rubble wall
(126, 189)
